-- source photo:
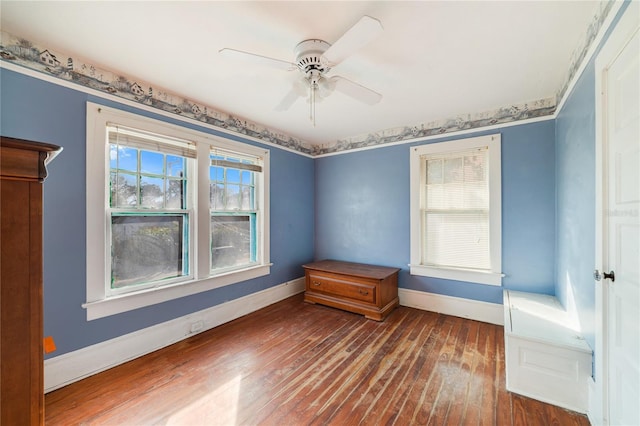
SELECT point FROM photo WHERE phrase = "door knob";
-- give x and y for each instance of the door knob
(606, 276)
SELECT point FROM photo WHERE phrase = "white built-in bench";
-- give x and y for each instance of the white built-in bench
(546, 358)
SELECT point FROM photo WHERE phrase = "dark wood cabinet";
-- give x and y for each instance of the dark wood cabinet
(369, 290)
(22, 170)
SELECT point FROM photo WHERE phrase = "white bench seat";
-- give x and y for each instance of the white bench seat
(546, 356)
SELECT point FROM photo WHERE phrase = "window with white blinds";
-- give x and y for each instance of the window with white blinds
(235, 214)
(149, 209)
(171, 211)
(456, 209)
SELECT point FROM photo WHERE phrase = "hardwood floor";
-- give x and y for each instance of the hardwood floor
(295, 363)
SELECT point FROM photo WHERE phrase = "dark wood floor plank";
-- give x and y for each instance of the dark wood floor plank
(300, 366)
(306, 381)
(504, 409)
(473, 408)
(294, 363)
(374, 379)
(415, 377)
(387, 403)
(414, 398)
(488, 414)
(459, 390)
(432, 405)
(366, 358)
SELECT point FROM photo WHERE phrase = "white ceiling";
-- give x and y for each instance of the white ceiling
(434, 60)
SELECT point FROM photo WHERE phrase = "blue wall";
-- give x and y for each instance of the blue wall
(362, 212)
(37, 110)
(360, 203)
(575, 189)
(575, 194)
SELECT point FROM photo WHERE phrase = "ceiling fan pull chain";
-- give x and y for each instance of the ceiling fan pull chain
(312, 103)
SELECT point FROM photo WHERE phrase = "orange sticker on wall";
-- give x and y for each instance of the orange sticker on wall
(49, 344)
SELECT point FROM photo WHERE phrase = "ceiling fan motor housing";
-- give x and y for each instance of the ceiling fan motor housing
(309, 57)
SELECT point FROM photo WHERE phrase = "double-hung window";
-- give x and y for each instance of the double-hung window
(234, 209)
(150, 209)
(456, 210)
(170, 211)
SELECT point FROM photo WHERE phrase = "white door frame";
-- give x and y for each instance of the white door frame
(622, 33)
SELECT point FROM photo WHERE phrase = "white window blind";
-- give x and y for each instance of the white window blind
(121, 135)
(149, 186)
(455, 209)
(224, 158)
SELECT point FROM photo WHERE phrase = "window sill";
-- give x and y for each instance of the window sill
(130, 301)
(465, 275)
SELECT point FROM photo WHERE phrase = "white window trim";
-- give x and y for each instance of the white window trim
(99, 304)
(494, 277)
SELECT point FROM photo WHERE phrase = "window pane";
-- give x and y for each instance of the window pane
(123, 190)
(465, 183)
(474, 167)
(152, 192)
(247, 177)
(434, 171)
(233, 205)
(453, 171)
(148, 188)
(216, 174)
(216, 193)
(233, 175)
(151, 162)
(126, 158)
(147, 248)
(176, 189)
(232, 195)
(455, 218)
(459, 240)
(176, 166)
(247, 198)
(231, 243)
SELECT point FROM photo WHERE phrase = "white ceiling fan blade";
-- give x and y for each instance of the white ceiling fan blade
(356, 91)
(288, 100)
(258, 59)
(365, 30)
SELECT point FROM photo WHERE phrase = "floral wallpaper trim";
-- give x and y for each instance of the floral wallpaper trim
(580, 52)
(509, 114)
(39, 58)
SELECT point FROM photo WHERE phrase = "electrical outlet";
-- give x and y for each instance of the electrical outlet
(197, 326)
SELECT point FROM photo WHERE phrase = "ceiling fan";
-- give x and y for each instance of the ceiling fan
(314, 58)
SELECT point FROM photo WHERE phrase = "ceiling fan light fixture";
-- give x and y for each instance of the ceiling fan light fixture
(309, 55)
(314, 58)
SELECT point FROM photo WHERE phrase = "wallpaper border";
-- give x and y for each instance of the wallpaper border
(40, 58)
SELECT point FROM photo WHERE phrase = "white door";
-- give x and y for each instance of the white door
(621, 230)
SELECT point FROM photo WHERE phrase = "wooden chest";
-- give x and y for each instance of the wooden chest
(364, 289)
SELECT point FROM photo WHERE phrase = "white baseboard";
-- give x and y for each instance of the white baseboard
(73, 366)
(492, 313)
